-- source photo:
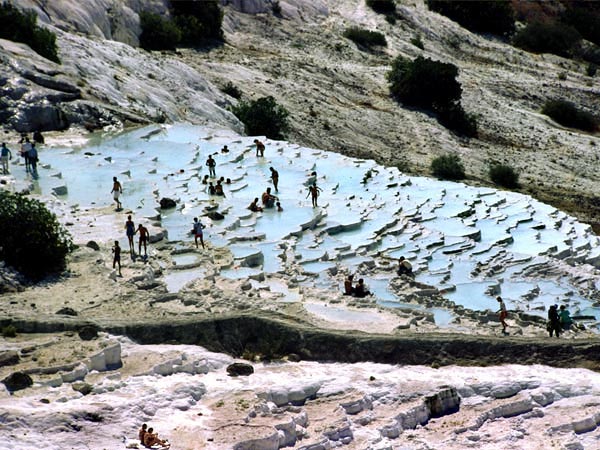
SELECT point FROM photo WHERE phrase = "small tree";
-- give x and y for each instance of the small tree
(20, 26)
(489, 16)
(263, 117)
(448, 167)
(424, 82)
(158, 33)
(567, 114)
(555, 38)
(32, 241)
(504, 175)
(365, 38)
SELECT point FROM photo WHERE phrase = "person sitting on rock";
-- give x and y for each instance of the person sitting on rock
(268, 199)
(151, 438)
(348, 288)
(254, 206)
(142, 433)
(360, 290)
(404, 267)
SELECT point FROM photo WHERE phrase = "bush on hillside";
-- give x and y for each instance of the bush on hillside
(424, 82)
(481, 16)
(504, 175)
(158, 33)
(568, 115)
(198, 21)
(365, 38)
(555, 38)
(20, 26)
(232, 90)
(448, 167)
(263, 117)
(585, 21)
(382, 6)
(455, 118)
(32, 241)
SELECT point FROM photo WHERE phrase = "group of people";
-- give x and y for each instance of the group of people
(27, 151)
(359, 290)
(131, 231)
(148, 438)
(559, 319)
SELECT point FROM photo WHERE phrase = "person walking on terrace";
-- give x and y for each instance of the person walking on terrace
(503, 314)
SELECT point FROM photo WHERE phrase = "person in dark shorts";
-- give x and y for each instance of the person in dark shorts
(117, 256)
(144, 238)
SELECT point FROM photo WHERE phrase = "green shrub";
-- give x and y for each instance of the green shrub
(32, 241)
(568, 115)
(20, 26)
(448, 167)
(232, 90)
(504, 175)
(424, 82)
(391, 19)
(263, 117)
(417, 42)
(480, 16)
(198, 21)
(158, 33)
(555, 38)
(585, 20)
(365, 38)
(382, 6)
(455, 118)
(9, 331)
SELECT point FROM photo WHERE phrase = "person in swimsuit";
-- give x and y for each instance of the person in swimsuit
(117, 256)
(260, 148)
(314, 191)
(144, 238)
(142, 433)
(254, 206)
(211, 163)
(274, 178)
(130, 231)
(151, 438)
(117, 190)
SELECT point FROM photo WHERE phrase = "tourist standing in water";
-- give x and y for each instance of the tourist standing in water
(130, 231)
(260, 148)
(274, 178)
(314, 192)
(117, 190)
(5, 155)
(211, 163)
(33, 159)
(25, 147)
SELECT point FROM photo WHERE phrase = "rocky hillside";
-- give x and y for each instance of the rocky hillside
(336, 93)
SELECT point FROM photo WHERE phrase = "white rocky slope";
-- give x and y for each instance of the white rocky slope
(336, 93)
(186, 395)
